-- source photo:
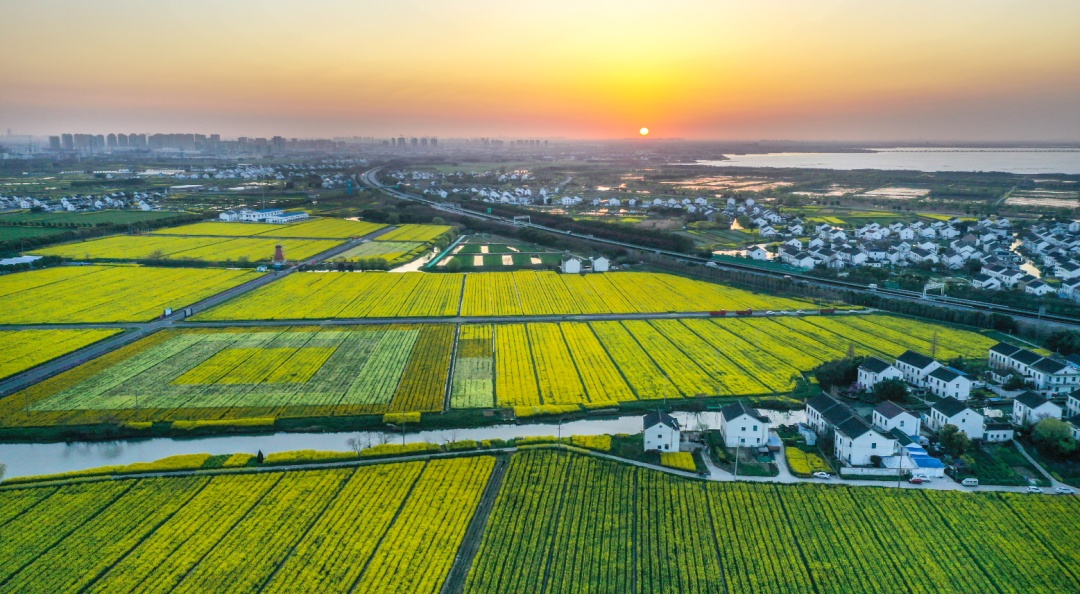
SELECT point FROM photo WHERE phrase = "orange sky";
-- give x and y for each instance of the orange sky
(828, 69)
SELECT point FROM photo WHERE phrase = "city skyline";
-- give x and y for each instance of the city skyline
(995, 70)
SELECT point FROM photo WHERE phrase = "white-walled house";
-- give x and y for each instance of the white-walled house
(600, 264)
(743, 426)
(946, 381)
(757, 253)
(570, 266)
(950, 411)
(873, 370)
(1072, 405)
(661, 432)
(856, 442)
(1029, 408)
(1054, 377)
(916, 367)
(999, 433)
(888, 416)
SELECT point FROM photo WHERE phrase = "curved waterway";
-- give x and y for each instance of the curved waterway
(24, 459)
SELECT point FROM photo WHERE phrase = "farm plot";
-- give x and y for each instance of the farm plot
(393, 252)
(346, 295)
(573, 523)
(474, 368)
(24, 349)
(385, 528)
(70, 294)
(206, 249)
(421, 233)
(240, 373)
(324, 295)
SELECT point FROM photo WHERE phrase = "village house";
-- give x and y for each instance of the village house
(661, 432)
(1029, 408)
(950, 411)
(743, 426)
(856, 442)
(915, 367)
(873, 370)
(946, 381)
(888, 416)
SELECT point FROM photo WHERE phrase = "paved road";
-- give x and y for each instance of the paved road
(715, 473)
(141, 330)
(426, 320)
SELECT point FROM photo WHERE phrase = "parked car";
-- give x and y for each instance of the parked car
(1064, 491)
(924, 478)
(970, 482)
(916, 480)
(822, 475)
(1034, 489)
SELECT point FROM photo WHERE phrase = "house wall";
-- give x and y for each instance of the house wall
(662, 438)
(745, 431)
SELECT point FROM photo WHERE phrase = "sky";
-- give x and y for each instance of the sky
(858, 70)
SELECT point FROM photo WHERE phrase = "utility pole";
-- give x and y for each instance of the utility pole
(738, 449)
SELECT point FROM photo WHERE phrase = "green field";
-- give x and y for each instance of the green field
(560, 522)
(87, 219)
(14, 232)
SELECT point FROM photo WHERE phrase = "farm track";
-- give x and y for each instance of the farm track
(455, 581)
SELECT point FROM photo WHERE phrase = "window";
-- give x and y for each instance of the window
(873, 445)
(901, 423)
(754, 428)
(742, 440)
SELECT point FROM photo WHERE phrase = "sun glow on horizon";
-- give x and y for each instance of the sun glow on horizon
(644, 131)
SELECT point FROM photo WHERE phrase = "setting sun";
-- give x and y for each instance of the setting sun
(644, 131)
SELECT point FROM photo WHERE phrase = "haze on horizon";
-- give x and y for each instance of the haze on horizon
(981, 70)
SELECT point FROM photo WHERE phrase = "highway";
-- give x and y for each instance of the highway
(370, 179)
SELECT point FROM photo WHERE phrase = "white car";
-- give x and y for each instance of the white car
(1034, 489)
(1064, 491)
(822, 475)
(925, 478)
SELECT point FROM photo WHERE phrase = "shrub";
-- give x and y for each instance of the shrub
(601, 443)
(465, 444)
(805, 464)
(545, 409)
(678, 460)
(397, 418)
(238, 460)
(394, 449)
(222, 423)
(307, 457)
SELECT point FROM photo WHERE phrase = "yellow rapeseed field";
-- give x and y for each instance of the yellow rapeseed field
(24, 349)
(70, 294)
(175, 247)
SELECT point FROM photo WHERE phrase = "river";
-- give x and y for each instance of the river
(24, 459)
(1041, 161)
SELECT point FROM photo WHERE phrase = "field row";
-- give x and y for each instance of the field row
(71, 294)
(576, 524)
(174, 247)
(332, 370)
(560, 523)
(314, 229)
(353, 295)
(385, 528)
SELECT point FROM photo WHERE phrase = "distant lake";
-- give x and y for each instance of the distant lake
(1042, 161)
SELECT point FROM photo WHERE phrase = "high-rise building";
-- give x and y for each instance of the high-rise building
(434, 142)
(122, 140)
(413, 142)
(110, 140)
(54, 143)
(68, 142)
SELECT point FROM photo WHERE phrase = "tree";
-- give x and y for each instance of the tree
(1065, 342)
(3, 469)
(259, 457)
(1053, 437)
(1015, 382)
(891, 389)
(954, 441)
(454, 265)
(841, 372)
